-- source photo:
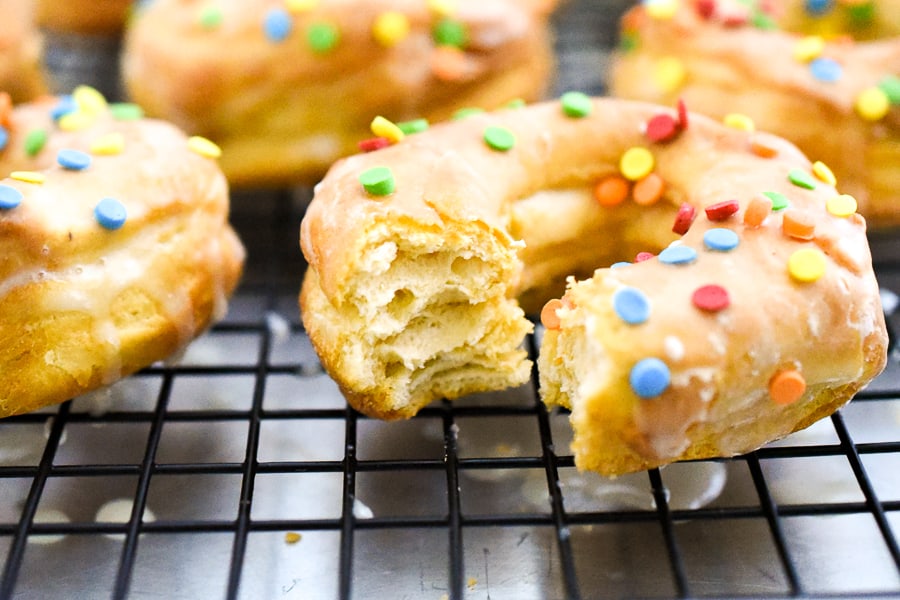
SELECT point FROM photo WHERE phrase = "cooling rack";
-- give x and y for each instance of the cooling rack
(237, 471)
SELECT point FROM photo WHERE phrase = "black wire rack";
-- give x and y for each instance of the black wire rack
(237, 471)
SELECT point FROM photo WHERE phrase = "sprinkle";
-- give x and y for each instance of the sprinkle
(636, 163)
(10, 197)
(818, 7)
(762, 149)
(740, 122)
(576, 104)
(661, 9)
(779, 201)
(824, 173)
(722, 210)
(499, 138)
(109, 144)
(210, 17)
(378, 181)
(277, 24)
(204, 147)
(842, 205)
(126, 111)
(89, 100)
(798, 225)
(442, 8)
(669, 74)
(76, 121)
(648, 190)
(890, 85)
(6, 109)
(661, 128)
(620, 264)
(4, 137)
(611, 190)
(382, 127)
(322, 37)
(631, 305)
(706, 8)
(649, 378)
(642, 256)
(515, 103)
(758, 209)
(872, 104)
(678, 255)
(786, 387)
(825, 69)
(449, 63)
(28, 176)
(808, 48)
(721, 239)
(450, 32)
(806, 265)
(802, 179)
(73, 160)
(65, 106)
(372, 144)
(34, 141)
(463, 113)
(300, 6)
(684, 218)
(414, 126)
(110, 213)
(390, 28)
(549, 317)
(292, 537)
(682, 114)
(712, 298)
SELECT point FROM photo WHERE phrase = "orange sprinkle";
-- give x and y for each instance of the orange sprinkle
(611, 190)
(762, 149)
(449, 63)
(758, 209)
(799, 225)
(548, 314)
(5, 109)
(787, 387)
(648, 190)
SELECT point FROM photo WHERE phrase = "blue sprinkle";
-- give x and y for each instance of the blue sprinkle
(818, 7)
(678, 255)
(62, 108)
(649, 378)
(721, 239)
(10, 197)
(826, 69)
(277, 24)
(74, 160)
(619, 265)
(4, 138)
(632, 305)
(110, 213)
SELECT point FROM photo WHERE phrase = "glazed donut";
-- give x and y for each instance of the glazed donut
(761, 318)
(285, 88)
(84, 17)
(838, 100)
(21, 50)
(116, 249)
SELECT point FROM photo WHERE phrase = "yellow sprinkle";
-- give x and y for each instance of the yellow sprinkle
(89, 100)
(292, 537)
(872, 104)
(386, 129)
(109, 144)
(824, 173)
(842, 205)
(298, 6)
(739, 121)
(390, 28)
(442, 8)
(76, 121)
(204, 147)
(809, 48)
(636, 163)
(471, 583)
(806, 265)
(661, 9)
(669, 74)
(28, 176)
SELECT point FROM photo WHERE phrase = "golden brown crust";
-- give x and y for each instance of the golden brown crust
(21, 51)
(85, 17)
(283, 112)
(719, 68)
(82, 305)
(378, 272)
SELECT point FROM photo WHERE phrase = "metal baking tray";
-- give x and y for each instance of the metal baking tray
(237, 471)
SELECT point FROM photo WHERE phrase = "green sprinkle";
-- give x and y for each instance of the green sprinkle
(779, 201)
(515, 103)
(629, 42)
(322, 37)
(210, 17)
(802, 179)
(499, 138)
(861, 14)
(34, 141)
(378, 181)
(462, 113)
(761, 20)
(450, 32)
(576, 104)
(414, 126)
(890, 85)
(126, 111)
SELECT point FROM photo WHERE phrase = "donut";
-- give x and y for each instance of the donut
(729, 298)
(793, 75)
(115, 247)
(287, 87)
(84, 17)
(21, 50)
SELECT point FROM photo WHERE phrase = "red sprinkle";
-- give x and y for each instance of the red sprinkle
(661, 128)
(376, 143)
(642, 256)
(682, 114)
(684, 218)
(722, 210)
(706, 8)
(711, 298)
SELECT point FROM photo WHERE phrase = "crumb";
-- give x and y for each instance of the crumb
(292, 537)
(472, 583)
